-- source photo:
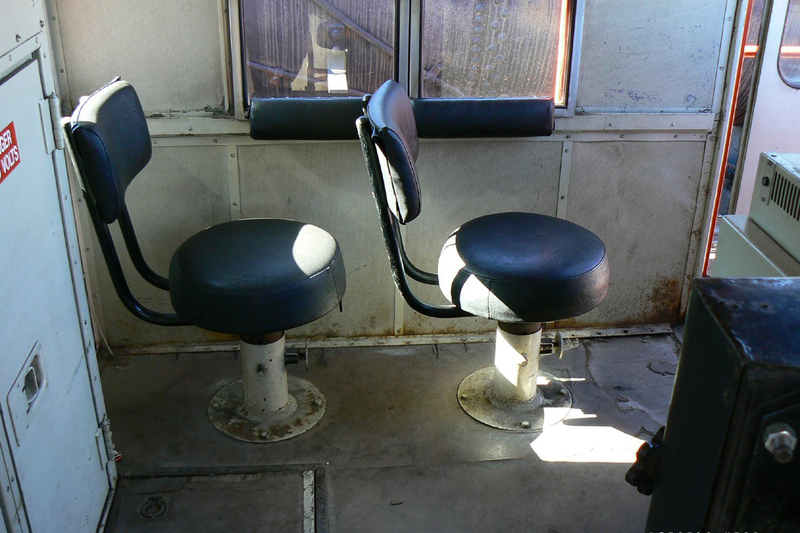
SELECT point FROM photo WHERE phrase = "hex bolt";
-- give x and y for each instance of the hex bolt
(780, 440)
(525, 424)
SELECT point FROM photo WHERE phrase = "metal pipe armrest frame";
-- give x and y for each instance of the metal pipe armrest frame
(398, 260)
(417, 274)
(110, 253)
(135, 251)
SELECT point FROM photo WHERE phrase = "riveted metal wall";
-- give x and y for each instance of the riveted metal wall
(638, 180)
(639, 197)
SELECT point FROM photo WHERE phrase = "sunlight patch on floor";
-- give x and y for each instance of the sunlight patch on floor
(575, 441)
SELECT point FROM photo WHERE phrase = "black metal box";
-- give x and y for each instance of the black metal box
(738, 380)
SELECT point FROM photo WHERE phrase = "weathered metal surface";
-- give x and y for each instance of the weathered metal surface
(548, 407)
(639, 198)
(53, 439)
(739, 373)
(228, 415)
(236, 500)
(656, 56)
(170, 51)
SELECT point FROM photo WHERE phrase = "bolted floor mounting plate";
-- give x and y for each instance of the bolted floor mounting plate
(226, 413)
(549, 407)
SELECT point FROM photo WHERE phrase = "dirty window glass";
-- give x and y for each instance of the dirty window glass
(317, 47)
(496, 48)
(789, 58)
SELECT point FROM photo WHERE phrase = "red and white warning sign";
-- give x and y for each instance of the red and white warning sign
(9, 151)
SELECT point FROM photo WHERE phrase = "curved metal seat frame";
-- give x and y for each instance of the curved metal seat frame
(504, 395)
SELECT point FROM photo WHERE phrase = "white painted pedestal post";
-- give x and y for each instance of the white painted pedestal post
(267, 404)
(507, 395)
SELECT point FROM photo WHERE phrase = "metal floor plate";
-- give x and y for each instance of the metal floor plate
(398, 451)
(261, 501)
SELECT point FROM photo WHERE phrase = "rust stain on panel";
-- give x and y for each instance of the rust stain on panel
(660, 306)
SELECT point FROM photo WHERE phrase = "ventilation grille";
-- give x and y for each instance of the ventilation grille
(786, 194)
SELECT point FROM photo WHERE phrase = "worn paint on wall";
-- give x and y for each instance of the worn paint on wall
(639, 197)
(651, 54)
(169, 51)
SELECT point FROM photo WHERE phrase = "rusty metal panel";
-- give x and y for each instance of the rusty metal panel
(467, 179)
(658, 55)
(182, 191)
(326, 184)
(169, 51)
(639, 197)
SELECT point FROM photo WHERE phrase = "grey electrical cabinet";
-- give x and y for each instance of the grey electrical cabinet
(55, 471)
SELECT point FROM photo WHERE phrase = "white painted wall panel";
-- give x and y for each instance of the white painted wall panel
(650, 54)
(326, 184)
(639, 197)
(466, 179)
(169, 51)
(182, 191)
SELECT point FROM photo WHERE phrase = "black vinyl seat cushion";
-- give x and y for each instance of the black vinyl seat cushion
(523, 267)
(256, 276)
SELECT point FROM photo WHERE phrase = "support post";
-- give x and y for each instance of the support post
(264, 379)
(267, 404)
(507, 395)
(516, 362)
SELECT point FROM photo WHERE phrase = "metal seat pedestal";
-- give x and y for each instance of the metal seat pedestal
(514, 394)
(266, 405)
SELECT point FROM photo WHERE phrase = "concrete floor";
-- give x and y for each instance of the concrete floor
(394, 451)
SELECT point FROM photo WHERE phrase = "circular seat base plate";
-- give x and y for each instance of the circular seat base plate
(550, 406)
(226, 413)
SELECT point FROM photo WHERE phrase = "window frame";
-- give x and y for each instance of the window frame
(408, 53)
(792, 83)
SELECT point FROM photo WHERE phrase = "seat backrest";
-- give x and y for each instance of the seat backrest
(110, 135)
(390, 112)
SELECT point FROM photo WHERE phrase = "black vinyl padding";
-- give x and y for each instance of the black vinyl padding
(332, 118)
(110, 134)
(392, 117)
(256, 276)
(454, 118)
(324, 119)
(523, 267)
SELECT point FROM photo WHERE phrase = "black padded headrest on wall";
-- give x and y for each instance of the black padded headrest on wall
(111, 137)
(321, 119)
(453, 118)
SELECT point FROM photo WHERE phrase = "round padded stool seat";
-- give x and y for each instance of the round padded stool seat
(256, 276)
(523, 267)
